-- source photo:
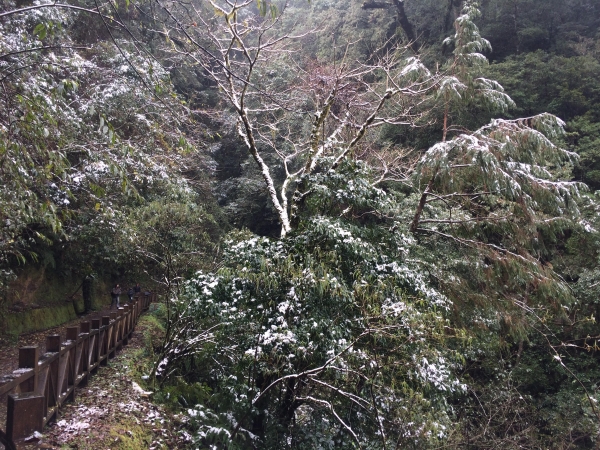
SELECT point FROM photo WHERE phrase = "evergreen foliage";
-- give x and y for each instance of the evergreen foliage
(465, 88)
(82, 140)
(435, 280)
(329, 338)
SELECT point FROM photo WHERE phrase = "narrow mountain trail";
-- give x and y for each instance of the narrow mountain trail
(113, 411)
(9, 348)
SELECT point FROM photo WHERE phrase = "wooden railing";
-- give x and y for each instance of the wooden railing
(42, 383)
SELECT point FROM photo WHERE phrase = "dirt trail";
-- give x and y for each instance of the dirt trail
(112, 411)
(9, 350)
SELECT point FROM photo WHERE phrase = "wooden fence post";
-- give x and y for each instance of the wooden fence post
(84, 358)
(126, 325)
(25, 410)
(44, 383)
(52, 394)
(96, 344)
(105, 340)
(24, 415)
(28, 359)
(112, 336)
(120, 327)
(71, 375)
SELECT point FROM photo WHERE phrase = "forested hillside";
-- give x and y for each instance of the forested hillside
(374, 224)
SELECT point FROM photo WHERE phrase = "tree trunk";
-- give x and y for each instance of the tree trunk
(415, 222)
(451, 14)
(406, 26)
(403, 21)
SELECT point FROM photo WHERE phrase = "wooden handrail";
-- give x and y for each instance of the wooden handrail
(42, 383)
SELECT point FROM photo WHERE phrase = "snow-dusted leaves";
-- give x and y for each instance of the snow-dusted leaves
(321, 327)
(511, 159)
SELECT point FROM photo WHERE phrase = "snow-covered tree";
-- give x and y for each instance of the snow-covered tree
(330, 338)
(83, 138)
(464, 88)
(292, 123)
(345, 331)
(350, 329)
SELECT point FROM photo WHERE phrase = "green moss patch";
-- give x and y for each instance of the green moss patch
(130, 436)
(38, 319)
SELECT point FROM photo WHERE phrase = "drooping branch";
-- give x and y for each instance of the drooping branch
(59, 5)
(45, 47)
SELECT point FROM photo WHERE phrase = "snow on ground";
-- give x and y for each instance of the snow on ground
(114, 412)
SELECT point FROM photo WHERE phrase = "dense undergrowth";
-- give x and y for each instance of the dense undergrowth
(359, 246)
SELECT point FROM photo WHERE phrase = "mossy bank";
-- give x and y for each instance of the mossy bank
(41, 298)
